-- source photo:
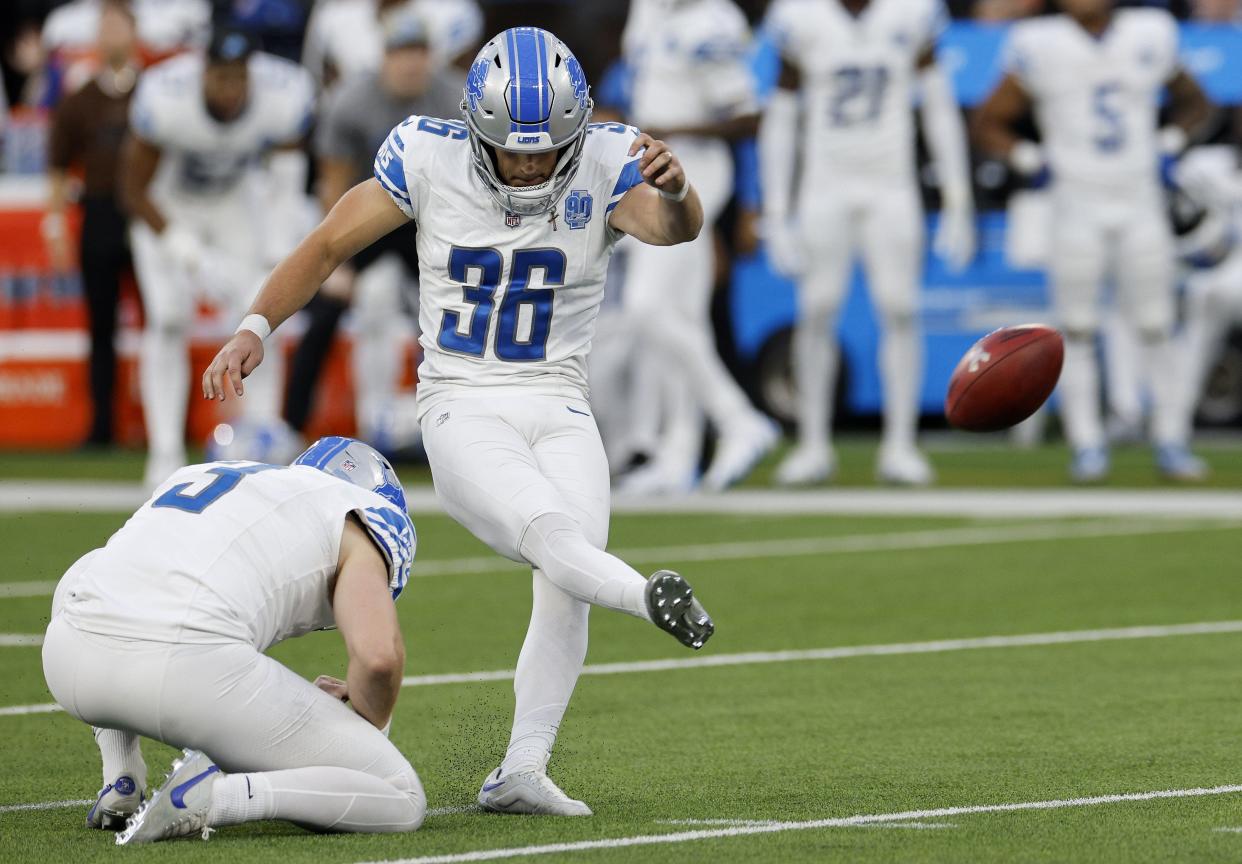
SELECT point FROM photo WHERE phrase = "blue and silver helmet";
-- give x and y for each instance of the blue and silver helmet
(358, 463)
(526, 93)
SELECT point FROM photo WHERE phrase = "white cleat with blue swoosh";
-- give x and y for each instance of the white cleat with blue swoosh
(531, 792)
(180, 806)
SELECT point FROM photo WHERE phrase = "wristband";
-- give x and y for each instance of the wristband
(676, 196)
(256, 324)
(1172, 140)
(1026, 158)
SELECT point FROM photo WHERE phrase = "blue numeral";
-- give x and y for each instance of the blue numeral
(535, 346)
(226, 480)
(488, 263)
(443, 128)
(1111, 134)
(854, 83)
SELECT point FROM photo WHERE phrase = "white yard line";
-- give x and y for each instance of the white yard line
(21, 640)
(1025, 640)
(794, 547)
(46, 805)
(744, 830)
(17, 496)
(39, 588)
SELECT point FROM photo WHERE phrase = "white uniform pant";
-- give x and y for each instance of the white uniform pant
(527, 475)
(248, 713)
(231, 230)
(1126, 238)
(880, 221)
(667, 299)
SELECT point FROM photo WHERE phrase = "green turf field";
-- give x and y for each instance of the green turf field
(747, 760)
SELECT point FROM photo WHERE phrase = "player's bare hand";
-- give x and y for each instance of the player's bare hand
(334, 687)
(658, 165)
(240, 356)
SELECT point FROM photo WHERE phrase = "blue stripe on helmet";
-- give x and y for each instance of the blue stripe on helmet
(528, 80)
(321, 452)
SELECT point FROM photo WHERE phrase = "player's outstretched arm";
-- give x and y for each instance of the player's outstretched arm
(367, 618)
(362, 216)
(1190, 109)
(664, 210)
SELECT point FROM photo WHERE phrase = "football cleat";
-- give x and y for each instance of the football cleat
(1089, 465)
(904, 466)
(1176, 462)
(672, 606)
(531, 792)
(116, 802)
(739, 450)
(180, 807)
(806, 465)
(658, 477)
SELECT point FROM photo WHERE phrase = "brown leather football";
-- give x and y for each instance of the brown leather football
(1004, 378)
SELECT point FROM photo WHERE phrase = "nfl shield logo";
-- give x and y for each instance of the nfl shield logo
(578, 205)
(513, 220)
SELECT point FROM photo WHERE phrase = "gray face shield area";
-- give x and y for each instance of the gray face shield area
(526, 93)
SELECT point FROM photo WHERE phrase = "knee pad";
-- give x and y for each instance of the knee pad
(408, 783)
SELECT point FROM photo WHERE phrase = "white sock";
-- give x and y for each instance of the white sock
(164, 377)
(901, 364)
(547, 670)
(1080, 394)
(815, 372)
(556, 545)
(1170, 419)
(325, 797)
(121, 755)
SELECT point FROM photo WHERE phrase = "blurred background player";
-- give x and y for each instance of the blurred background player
(88, 127)
(1094, 77)
(346, 37)
(356, 118)
(221, 564)
(692, 87)
(202, 211)
(850, 72)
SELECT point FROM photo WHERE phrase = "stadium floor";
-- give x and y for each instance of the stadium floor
(881, 687)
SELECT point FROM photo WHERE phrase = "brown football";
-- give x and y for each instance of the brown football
(1004, 378)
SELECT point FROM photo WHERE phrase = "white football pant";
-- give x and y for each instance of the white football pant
(1127, 238)
(378, 322)
(882, 221)
(295, 752)
(527, 476)
(667, 297)
(231, 231)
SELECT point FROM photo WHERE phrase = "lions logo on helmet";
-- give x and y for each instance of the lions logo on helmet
(526, 93)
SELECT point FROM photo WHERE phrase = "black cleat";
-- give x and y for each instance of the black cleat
(673, 607)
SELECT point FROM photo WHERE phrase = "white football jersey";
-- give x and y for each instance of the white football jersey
(230, 551)
(858, 78)
(689, 63)
(200, 155)
(505, 302)
(1097, 100)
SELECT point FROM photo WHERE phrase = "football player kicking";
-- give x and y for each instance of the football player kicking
(856, 67)
(224, 561)
(1094, 77)
(518, 210)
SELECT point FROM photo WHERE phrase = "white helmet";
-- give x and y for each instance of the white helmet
(526, 93)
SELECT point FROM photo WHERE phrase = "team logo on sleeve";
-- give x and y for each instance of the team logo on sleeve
(578, 206)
